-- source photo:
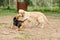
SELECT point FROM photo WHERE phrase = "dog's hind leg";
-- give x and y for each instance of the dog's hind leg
(41, 21)
(42, 25)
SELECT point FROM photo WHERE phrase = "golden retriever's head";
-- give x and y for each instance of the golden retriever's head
(21, 12)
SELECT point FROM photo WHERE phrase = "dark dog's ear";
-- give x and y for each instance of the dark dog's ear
(16, 17)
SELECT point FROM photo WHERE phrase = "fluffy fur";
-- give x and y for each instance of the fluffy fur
(40, 17)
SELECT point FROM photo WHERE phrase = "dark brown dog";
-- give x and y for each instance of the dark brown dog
(17, 22)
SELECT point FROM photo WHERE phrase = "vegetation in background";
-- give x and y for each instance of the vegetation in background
(44, 9)
(5, 11)
(47, 12)
(9, 7)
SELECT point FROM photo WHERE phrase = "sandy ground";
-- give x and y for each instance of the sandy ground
(30, 32)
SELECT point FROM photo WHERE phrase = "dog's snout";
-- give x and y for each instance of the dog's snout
(20, 15)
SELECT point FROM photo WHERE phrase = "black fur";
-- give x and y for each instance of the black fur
(17, 22)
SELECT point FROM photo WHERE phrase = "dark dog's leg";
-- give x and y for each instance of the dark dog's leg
(19, 27)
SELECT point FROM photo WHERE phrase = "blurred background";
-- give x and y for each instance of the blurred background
(50, 8)
(7, 6)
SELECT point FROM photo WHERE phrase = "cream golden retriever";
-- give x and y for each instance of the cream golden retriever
(38, 16)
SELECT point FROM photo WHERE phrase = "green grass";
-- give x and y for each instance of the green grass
(5, 12)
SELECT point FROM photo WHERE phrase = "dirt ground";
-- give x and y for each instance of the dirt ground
(31, 31)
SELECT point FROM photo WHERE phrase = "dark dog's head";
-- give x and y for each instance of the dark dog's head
(17, 22)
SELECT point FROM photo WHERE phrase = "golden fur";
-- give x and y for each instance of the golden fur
(40, 17)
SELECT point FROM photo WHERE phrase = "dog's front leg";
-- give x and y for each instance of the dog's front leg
(18, 28)
(12, 26)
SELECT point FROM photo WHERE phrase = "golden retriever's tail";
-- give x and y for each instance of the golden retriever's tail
(45, 18)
